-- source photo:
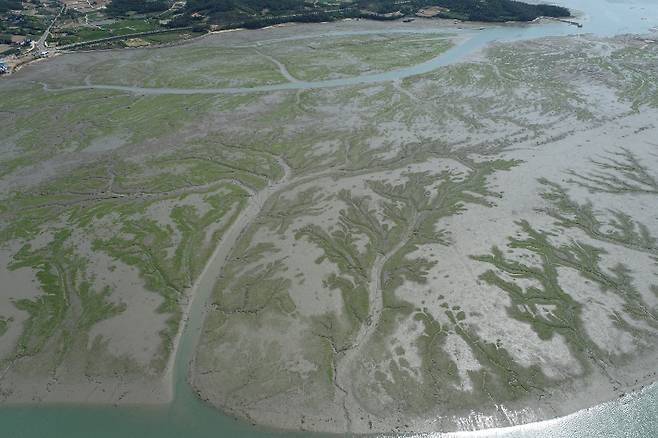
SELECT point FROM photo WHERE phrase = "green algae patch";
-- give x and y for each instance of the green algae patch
(330, 58)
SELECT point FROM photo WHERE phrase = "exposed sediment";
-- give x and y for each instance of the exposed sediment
(426, 335)
(469, 247)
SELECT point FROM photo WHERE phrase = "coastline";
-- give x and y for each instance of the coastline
(366, 22)
(163, 394)
(567, 402)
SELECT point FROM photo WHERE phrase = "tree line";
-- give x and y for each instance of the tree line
(260, 13)
(123, 7)
(10, 5)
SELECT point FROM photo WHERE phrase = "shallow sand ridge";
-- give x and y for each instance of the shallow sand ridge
(440, 252)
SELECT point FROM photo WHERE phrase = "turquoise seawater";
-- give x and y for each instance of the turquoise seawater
(633, 417)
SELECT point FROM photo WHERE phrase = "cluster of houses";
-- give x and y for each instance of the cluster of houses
(15, 42)
(431, 11)
(20, 40)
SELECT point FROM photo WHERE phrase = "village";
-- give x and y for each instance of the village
(39, 29)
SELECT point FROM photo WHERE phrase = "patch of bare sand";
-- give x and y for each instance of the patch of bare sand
(18, 284)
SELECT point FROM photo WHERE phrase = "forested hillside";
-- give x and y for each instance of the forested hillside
(259, 13)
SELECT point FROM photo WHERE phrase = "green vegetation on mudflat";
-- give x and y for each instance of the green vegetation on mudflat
(369, 327)
(618, 173)
(322, 58)
(619, 229)
(196, 66)
(62, 317)
(162, 212)
(139, 241)
(4, 325)
(531, 268)
(418, 389)
(343, 288)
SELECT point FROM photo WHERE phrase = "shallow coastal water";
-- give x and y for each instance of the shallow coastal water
(632, 416)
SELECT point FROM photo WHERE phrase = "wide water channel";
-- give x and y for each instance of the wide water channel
(635, 415)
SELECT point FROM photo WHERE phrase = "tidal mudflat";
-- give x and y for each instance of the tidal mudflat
(473, 246)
